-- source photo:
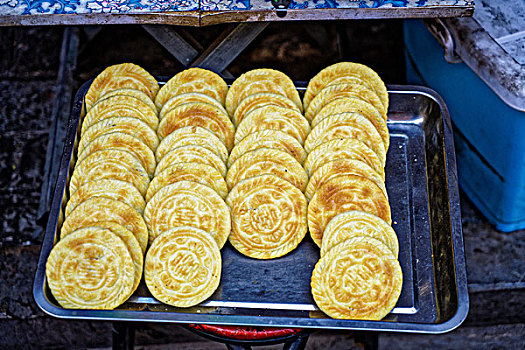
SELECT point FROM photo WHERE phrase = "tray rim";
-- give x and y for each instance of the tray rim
(228, 319)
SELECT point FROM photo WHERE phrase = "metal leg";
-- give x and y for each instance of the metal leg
(298, 344)
(237, 347)
(59, 118)
(123, 336)
(369, 340)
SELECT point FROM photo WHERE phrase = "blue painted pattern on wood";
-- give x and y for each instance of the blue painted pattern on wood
(32, 7)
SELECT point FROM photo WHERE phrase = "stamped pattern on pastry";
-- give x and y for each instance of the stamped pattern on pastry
(188, 203)
(358, 223)
(183, 266)
(90, 269)
(357, 279)
(268, 217)
(344, 193)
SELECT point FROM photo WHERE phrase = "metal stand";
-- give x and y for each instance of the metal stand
(123, 336)
(228, 45)
(296, 341)
(369, 340)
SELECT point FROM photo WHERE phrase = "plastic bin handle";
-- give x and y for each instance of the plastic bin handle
(440, 31)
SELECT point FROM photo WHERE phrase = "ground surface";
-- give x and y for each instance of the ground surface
(29, 61)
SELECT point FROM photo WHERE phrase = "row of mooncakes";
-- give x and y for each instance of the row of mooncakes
(186, 215)
(98, 261)
(358, 275)
(265, 175)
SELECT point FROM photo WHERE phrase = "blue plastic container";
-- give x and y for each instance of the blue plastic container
(489, 134)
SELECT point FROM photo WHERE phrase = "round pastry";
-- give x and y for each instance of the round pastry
(358, 223)
(110, 164)
(128, 125)
(347, 126)
(125, 142)
(190, 154)
(344, 193)
(261, 99)
(333, 92)
(198, 114)
(131, 243)
(196, 172)
(342, 149)
(188, 203)
(193, 80)
(189, 97)
(268, 217)
(261, 80)
(340, 167)
(274, 118)
(109, 188)
(268, 139)
(98, 209)
(120, 106)
(140, 95)
(183, 266)
(192, 135)
(264, 161)
(126, 75)
(357, 105)
(90, 269)
(357, 279)
(334, 74)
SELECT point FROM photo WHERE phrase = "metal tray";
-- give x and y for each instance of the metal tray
(421, 181)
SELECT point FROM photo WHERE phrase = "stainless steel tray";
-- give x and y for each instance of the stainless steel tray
(421, 181)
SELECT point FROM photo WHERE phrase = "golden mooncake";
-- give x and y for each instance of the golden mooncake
(333, 92)
(132, 93)
(192, 135)
(342, 149)
(189, 154)
(357, 279)
(108, 188)
(358, 223)
(274, 118)
(357, 105)
(264, 161)
(261, 99)
(268, 139)
(196, 172)
(189, 97)
(120, 76)
(261, 80)
(339, 167)
(125, 142)
(183, 267)
(188, 203)
(131, 243)
(268, 217)
(90, 269)
(347, 126)
(198, 114)
(110, 164)
(193, 80)
(344, 193)
(120, 106)
(335, 72)
(128, 125)
(97, 209)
